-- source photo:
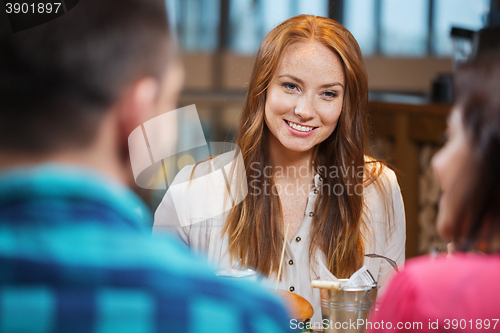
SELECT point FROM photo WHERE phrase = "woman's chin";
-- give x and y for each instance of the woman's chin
(297, 147)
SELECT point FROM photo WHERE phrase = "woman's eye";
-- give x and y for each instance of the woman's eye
(290, 86)
(330, 94)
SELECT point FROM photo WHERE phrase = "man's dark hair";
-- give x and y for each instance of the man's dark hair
(57, 80)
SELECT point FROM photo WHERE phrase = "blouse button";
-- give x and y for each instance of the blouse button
(298, 239)
(316, 191)
(290, 262)
(292, 288)
(311, 214)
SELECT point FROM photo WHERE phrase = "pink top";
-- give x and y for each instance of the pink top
(458, 294)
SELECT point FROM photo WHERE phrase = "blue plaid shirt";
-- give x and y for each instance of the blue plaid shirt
(77, 255)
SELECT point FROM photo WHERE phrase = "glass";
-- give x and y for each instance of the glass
(439, 249)
(462, 45)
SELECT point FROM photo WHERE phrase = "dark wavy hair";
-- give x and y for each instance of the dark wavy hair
(477, 87)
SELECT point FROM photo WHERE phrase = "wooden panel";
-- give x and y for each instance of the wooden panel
(427, 128)
(406, 162)
(382, 124)
(409, 125)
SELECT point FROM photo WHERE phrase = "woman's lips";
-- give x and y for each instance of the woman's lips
(299, 130)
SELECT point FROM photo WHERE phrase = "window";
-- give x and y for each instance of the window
(468, 14)
(403, 27)
(359, 18)
(251, 20)
(411, 27)
(196, 23)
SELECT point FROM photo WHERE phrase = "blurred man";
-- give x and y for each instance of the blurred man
(76, 253)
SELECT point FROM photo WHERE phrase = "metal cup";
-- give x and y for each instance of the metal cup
(347, 310)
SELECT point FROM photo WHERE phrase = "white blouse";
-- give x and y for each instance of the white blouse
(196, 210)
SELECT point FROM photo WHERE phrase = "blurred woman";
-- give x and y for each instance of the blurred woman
(303, 142)
(460, 292)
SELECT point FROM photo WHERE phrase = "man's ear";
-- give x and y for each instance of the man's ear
(137, 105)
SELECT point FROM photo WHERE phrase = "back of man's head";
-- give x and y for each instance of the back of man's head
(58, 80)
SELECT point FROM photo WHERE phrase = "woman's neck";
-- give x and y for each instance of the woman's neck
(291, 164)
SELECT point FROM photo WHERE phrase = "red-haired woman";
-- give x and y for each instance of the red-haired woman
(303, 142)
(460, 292)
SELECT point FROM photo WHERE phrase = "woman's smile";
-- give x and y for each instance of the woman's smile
(298, 129)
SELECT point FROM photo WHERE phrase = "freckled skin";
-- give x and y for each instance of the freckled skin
(307, 89)
(309, 103)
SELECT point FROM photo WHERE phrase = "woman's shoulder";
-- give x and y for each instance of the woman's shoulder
(460, 264)
(378, 173)
(210, 170)
(451, 274)
(204, 191)
(442, 289)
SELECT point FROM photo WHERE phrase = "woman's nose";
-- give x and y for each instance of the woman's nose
(305, 108)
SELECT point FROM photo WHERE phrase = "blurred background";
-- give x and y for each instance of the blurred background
(409, 52)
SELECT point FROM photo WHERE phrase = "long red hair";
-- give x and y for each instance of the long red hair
(255, 226)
